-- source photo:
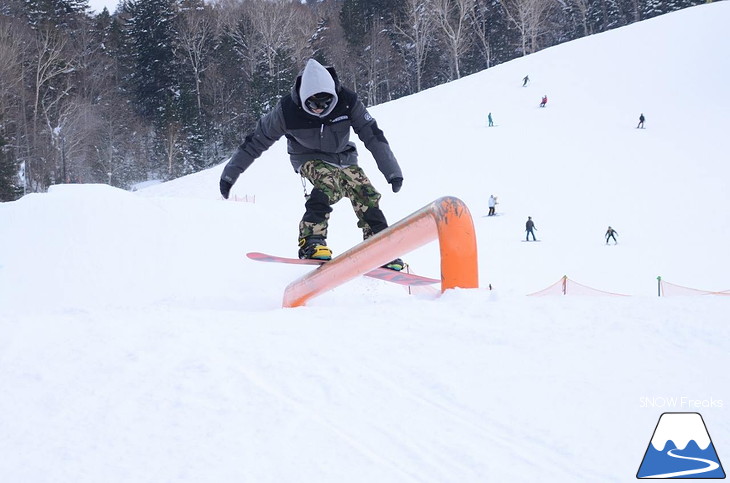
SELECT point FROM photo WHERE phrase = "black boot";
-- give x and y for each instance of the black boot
(396, 265)
(314, 247)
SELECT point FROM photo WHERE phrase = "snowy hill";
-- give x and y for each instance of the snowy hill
(137, 343)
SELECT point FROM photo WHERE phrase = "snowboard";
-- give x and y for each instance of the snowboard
(386, 274)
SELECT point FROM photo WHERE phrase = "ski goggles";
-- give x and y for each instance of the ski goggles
(319, 101)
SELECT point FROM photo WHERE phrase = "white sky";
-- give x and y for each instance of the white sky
(98, 5)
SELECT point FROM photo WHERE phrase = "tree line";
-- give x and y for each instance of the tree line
(164, 88)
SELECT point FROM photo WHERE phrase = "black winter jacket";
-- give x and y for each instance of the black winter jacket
(313, 137)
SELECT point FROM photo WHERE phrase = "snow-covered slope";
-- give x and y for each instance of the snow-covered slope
(137, 343)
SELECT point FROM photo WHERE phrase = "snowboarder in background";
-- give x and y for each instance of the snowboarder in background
(611, 233)
(316, 117)
(492, 205)
(489, 118)
(529, 226)
(641, 121)
(525, 80)
(544, 101)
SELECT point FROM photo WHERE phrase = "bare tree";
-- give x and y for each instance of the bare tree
(329, 41)
(69, 136)
(302, 33)
(11, 55)
(262, 30)
(417, 27)
(107, 157)
(259, 29)
(479, 18)
(531, 18)
(236, 25)
(376, 61)
(452, 17)
(272, 22)
(171, 145)
(195, 35)
(50, 63)
(50, 66)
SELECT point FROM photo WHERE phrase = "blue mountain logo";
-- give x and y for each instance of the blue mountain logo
(681, 448)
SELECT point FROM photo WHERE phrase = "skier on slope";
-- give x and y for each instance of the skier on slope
(492, 203)
(611, 233)
(316, 117)
(529, 226)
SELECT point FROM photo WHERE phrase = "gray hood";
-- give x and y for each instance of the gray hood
(316, 79)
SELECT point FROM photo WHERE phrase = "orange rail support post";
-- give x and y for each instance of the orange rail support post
(447, 219)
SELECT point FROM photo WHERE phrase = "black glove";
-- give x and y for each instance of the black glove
(225, 188)
(396, 184)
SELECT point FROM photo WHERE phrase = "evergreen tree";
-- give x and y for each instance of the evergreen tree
(604, 15)
(56, 14)
(367, 25)
(150, 34)
(10, 188)
(227, 95)
(149, 38)
(113, 141)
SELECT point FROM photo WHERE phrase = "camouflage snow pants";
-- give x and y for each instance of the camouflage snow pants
(331, 184)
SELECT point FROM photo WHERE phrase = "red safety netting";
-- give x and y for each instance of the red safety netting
(667, 289)
(566, 286)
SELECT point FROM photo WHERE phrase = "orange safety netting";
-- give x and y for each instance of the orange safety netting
(244, 198)
(566, 286)
(667, 289)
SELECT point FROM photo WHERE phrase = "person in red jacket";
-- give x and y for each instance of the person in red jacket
(544, 101)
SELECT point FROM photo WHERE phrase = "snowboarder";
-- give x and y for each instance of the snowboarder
(525, 80)
(544, 101)
(489, 118)
(641, 121)
(316, 117)
(529, 226)
(611, 233)
(492, 205)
